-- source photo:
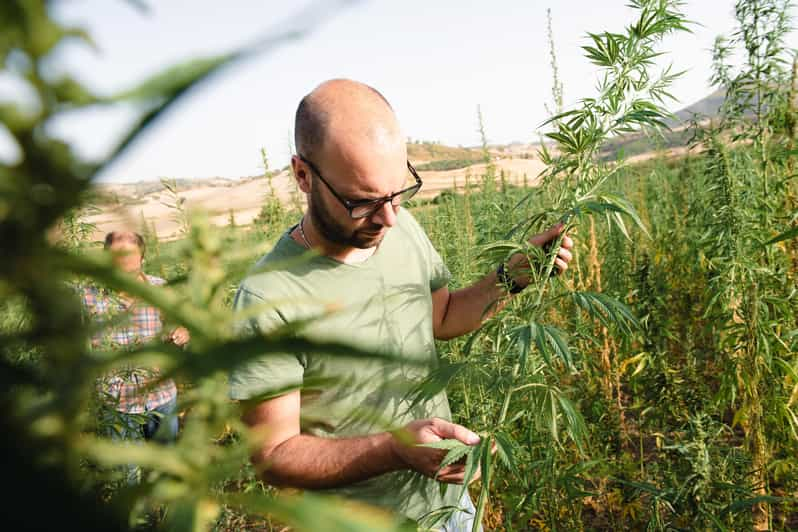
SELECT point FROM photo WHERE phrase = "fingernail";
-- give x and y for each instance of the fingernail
(473, 439)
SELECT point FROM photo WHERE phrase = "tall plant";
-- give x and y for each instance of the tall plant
(748, 280)
(530, 360)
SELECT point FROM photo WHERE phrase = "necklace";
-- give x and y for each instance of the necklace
(302, 232)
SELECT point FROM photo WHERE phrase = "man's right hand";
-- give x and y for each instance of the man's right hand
(426, 460)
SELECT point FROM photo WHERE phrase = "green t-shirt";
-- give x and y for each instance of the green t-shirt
(383, 304)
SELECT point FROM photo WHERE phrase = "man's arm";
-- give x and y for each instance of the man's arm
(286, 457)
(460, 312)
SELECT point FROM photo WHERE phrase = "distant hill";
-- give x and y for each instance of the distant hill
(638, 143)
(425, 151)
(707, 107)
(425, 155)
(129, 193)
(240, 200)
(442, 167)
(434, 156)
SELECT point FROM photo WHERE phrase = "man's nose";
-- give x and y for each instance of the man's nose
(385, 215)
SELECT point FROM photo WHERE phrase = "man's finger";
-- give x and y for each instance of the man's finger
(547, 235)
(561, 264)
(453, 469)
(565, 255)
(567, 242)
(456, 477)
(448, 430)
(554, 230)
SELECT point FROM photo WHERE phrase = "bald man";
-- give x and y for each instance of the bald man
(332, 423)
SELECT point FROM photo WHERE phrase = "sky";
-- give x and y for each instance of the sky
(435, 61)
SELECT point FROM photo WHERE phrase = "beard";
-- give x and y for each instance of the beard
(333, 231)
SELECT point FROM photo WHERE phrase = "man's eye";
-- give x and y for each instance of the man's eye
(357, 203)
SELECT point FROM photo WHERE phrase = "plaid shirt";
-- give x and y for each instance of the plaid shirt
(140, 322)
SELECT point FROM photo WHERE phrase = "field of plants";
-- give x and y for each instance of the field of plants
(654, 386)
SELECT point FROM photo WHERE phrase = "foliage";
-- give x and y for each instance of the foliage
(654, 386)
(48, 370)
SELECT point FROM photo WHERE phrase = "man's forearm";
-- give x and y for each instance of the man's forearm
(311, 462)
(469, 307)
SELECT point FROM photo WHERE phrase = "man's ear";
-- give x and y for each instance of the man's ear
(301, 174)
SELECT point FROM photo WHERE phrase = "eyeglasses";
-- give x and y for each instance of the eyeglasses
(365, 208)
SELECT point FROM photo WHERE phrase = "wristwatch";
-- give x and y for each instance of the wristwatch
(506, 280)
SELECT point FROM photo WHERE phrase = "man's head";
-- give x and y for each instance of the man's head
(127, 248)
(349, 132)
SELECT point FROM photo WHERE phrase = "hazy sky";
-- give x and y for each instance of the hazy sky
(433, 60)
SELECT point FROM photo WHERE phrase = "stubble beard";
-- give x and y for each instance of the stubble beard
(334, 232)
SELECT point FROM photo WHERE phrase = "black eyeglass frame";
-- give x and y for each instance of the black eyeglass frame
(350, 206)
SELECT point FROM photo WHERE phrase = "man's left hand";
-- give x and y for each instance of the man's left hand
(518, 263)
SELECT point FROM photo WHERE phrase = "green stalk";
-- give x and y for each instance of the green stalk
(486, 478)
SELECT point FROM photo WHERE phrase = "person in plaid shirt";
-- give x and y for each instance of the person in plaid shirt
(137, 406)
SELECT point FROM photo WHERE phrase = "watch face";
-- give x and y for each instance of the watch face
(507, 281)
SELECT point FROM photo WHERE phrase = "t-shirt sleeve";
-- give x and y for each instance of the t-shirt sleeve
(269, 374)
(439, 275)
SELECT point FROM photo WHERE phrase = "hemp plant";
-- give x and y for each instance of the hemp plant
(527, 362)
(751, 289)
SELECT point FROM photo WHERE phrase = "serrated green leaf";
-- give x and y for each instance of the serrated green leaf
(505, 449)
(608, 310)
(472, 464)
(447, 444)
(454, 455)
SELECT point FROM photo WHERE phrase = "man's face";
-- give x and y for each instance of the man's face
(365, 176)
(335, 224)
(126, 254)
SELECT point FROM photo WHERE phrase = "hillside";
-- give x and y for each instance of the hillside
(636, 144)
(129, 205)
(440, 166)
(423, 152)
(707, 106)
